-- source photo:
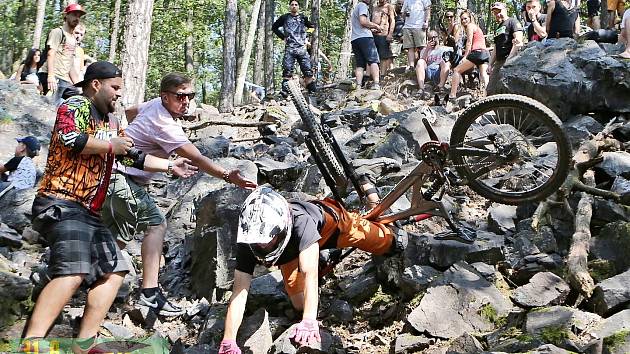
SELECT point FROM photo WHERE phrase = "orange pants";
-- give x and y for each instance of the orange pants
(354, 231)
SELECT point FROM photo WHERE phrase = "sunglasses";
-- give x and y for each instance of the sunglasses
(451, 16)
(433, 38)
(180, 95)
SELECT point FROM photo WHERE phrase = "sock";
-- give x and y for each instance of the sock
(148, 292)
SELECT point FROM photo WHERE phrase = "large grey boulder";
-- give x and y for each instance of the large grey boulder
(567, 77)
(615, 163)
(285, 345)
(15, 293)
(15, 208)
(409, 343)
(417, 278)
(612, 246)
(267, 291)
(464, 302)
(254, 335)
(426, 250)
(580, 128)
(9, 237)
(281, 175)
(562, 326)
(611, 294)
(465, 344)
(543, 289)
(213, 245)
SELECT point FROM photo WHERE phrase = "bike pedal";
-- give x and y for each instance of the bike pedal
(461, 236)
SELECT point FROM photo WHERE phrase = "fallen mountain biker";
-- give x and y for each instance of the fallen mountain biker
(273, 231)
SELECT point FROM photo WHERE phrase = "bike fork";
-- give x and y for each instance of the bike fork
(322, 168)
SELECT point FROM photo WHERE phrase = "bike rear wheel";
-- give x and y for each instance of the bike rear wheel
(316, 135)
(510, 149)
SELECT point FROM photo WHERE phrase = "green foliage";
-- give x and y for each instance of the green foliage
(488, 312)
(617, 339)
(554, 335)
(601, 269)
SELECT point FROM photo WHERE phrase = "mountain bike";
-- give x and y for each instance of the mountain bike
(509, 149)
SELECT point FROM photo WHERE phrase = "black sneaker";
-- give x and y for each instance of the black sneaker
(312, 87)
(160, 304)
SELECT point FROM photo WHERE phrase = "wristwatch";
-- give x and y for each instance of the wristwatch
(169, 170)
(226, 176)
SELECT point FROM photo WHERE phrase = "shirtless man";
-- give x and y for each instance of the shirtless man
(383, 15)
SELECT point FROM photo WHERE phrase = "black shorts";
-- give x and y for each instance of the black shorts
(79, 242)
(365, 52)
(593, 7)
(479, 56)
(383, 48)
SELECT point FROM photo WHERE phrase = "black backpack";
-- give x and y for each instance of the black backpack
(44, 52)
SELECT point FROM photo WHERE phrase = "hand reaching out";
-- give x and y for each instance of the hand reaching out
(182, 168)
(306, 333)
(234, 176)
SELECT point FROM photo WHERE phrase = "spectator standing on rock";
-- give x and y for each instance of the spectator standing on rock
(363, 46)
(290, 235)
(294, 25)
(79, 58)
(27, 72)
(431, 65)
(625, 34)
(155, 129)
(384, 16)
(475, 54)
(54, 74)
(85, 142)
(508, 37)
(536, 30)
(593, 7)
(563, 20)
(615, 8)
(417, 14)
(20, 172)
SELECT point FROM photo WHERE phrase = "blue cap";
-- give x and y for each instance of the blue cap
(31, 143)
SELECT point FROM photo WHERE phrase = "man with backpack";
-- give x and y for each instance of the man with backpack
(57, 59)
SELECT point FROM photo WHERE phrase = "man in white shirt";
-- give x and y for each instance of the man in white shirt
(416, 14)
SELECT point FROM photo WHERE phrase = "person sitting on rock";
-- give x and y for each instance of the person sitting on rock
(536, 30)
(27, 72)
(625, 34)
(293, 33)
(431, 64)
(21, 169)
(475, 54)
(563, 20)
(273, 231)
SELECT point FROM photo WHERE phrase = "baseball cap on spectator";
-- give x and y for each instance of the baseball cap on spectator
(31, 143)
(74, 8)
(99, 70)
(499, 6)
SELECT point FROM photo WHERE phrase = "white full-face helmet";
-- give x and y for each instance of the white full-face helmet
(265, 224)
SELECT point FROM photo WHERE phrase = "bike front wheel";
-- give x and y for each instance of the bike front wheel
(510, 149)
(314, 129)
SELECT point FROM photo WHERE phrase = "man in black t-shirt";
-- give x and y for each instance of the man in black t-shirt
(293, 33)
(536, 21)
(508, 37)
(289, 235)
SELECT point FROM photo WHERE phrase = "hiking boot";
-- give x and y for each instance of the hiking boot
(160, 304)
(312, 87)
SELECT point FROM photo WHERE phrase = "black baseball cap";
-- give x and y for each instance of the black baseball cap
(31, 143)
(100, 70)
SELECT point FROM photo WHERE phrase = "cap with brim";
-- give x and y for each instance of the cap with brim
(31, 142)
(498, 5)
(99, 70)
(74, 8)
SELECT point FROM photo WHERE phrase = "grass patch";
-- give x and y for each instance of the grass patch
(601, 269)
(617, 339)
(554, 335)
(488, 312)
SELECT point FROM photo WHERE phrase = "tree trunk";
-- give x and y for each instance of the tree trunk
(188, 51)
(135, 53)
(247, 53)
(242, 36)
(315, 39)
(259, 59)
(270, 8)
(226, 102)
(39, 23)
(603, 15)
(113, 39)
(346, 47)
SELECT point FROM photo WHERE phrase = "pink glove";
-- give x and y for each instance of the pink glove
(306, 333)
(229, 346)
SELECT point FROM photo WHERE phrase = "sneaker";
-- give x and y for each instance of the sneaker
(312, 87)
(160, 304)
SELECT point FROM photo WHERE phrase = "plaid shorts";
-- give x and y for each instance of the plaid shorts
(80, 243)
